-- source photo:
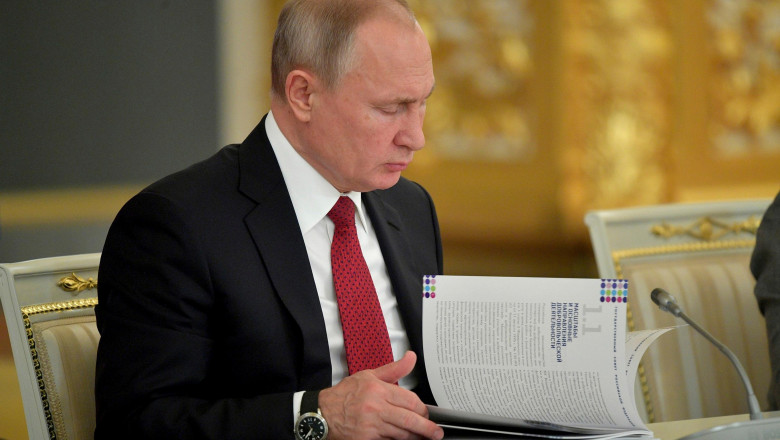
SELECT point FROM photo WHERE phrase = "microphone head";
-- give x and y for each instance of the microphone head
(665, 301)
(658, 295)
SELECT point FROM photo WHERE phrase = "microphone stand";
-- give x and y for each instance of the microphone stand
(757, 428)
(667, 303)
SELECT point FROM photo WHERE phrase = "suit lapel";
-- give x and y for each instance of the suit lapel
(407, 284)
(400, 263)
(273, 227)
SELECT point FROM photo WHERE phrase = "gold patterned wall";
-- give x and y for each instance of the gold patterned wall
(595, 104)
(744, 58)
(618, 78)
(497, 123)
(727, 140)
(489, 126)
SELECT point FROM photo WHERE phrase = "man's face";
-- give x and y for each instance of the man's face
(364, 132)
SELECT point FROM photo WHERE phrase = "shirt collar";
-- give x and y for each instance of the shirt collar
(312, 196)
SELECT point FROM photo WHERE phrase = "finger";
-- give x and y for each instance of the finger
(394, 371)
(395, 433)
(408, 400)
(409, 422)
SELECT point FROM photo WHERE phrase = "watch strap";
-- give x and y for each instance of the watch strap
(310, 402)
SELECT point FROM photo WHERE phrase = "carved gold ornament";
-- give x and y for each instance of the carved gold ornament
(707, 228)
(618, 87)
(75, 304)
(745, 81)
(75, 283)
(484, 63)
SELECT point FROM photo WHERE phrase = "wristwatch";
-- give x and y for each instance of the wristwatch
(310, 424)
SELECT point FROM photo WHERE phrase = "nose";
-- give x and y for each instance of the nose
(410, 134)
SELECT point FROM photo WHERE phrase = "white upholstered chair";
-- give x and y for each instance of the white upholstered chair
(700, 253)
(49, 307)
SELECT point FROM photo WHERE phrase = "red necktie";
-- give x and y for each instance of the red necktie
(365, 332)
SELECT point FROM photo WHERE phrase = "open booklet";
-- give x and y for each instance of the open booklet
(537, 357)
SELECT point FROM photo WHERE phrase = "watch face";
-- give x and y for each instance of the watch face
(311, 427)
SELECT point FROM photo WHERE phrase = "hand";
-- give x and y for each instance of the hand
(368, 405)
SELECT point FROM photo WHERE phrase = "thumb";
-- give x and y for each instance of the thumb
(393, 371)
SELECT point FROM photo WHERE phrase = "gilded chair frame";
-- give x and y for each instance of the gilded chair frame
(33, 292)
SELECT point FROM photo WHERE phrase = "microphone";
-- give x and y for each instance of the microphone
(667, 303)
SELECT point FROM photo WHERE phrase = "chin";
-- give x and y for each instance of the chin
(388, 182)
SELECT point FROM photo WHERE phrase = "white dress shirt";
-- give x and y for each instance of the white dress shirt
(313, 197)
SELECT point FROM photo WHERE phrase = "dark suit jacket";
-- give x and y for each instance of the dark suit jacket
(209, 316)
(765, 265)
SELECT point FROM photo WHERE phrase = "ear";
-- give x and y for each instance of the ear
(300, 86)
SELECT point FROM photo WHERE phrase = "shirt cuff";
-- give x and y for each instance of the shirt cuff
(297, 405)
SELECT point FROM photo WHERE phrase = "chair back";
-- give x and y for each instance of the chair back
(700, 253)
(49, 308)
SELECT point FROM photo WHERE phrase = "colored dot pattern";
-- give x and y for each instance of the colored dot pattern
(366, 340)
(429, 286)
(614, 291)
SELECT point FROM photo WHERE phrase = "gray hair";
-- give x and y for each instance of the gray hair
(318, 35)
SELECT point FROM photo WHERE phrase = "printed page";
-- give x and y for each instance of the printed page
(535, 349)
(459, 421)
(637, 343)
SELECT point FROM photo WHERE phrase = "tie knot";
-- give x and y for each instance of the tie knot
(343, 212)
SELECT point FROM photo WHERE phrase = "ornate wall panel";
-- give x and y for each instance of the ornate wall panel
(597, 104)
(618, 106)
(488, 161)
(744, 50)
(483, 61)
(727, 134)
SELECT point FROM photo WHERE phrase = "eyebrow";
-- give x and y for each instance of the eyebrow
(411, 100)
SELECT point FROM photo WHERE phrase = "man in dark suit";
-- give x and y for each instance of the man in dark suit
(765, 265)
(217, 311)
